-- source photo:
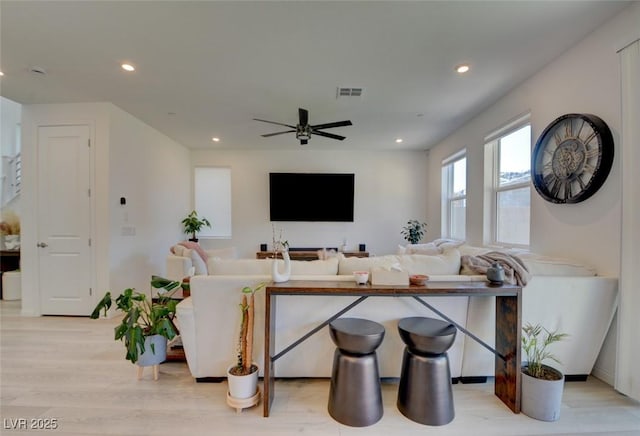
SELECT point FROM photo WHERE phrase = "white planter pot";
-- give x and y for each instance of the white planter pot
(155, 355)
(542, 399)
(242, 386)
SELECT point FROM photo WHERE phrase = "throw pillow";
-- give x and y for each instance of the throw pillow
(447, 263)
(429, 248)
(198, 263)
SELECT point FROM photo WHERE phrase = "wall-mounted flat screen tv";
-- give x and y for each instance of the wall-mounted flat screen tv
(311, 197)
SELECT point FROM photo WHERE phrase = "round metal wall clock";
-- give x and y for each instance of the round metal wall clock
(572, 158)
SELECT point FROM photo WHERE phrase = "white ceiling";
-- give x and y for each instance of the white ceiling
(207, 68)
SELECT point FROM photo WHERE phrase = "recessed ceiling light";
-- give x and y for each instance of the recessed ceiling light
(398, 140)
(215, 139)
(128, 67)
(462, 68)
(1, 74)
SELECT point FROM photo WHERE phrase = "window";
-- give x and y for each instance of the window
(508, 154)
(212, 200)
(454, 196)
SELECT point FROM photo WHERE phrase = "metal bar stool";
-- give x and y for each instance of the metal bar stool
(424, 394)
(355, 396)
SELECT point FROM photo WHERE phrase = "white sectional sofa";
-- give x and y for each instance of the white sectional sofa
(580, 304)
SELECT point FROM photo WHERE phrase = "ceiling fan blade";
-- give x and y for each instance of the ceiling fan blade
(303, 116)
(304, 142)
(276, 133)
(330, 125)
(327, 135)
(274, 122)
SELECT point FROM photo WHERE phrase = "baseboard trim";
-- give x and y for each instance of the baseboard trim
(210, 379)
(575, 377)
(471, 380)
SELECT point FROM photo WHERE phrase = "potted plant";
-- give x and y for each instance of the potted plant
(542, 385)
(243, 375)
(192, 225)
(414, 231)
(147, 323)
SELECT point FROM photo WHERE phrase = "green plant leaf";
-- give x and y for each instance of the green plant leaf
(104, 304)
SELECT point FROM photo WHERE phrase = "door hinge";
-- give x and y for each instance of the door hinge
(89, 192)
(89, 242)
(88, 142)
(90, 292)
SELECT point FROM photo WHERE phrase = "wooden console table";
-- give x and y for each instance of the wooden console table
(307, 255)
(508, 324)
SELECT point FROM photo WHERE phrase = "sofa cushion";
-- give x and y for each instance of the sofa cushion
(223, 253)
(219, 266)
(314, 267)
(442, 264)
(429, 249)
(347, 265)
(539, 265)
(446, 263)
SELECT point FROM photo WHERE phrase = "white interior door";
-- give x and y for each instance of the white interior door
(64, 220)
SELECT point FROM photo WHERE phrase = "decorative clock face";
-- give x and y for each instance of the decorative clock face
(572, 158)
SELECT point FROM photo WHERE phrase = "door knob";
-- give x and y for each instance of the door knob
(43, 244)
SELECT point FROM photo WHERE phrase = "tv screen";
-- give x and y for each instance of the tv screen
(311, 196)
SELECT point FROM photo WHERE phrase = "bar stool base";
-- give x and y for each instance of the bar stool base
(424, 393)
(355, 396)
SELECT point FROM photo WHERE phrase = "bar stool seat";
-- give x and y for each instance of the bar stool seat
(427, 335)
(356, 335)
(424, 393)
(355, 395)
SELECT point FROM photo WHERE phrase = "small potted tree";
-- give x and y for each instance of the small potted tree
(413, 231)
(243, 375)
(192, 225)
(542, 385)
(147, 324)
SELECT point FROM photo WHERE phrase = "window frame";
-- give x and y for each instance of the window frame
(220, 216)
(448, 197)
(492, 180)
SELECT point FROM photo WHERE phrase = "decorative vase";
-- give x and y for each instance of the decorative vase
(495, 273)
(276, 275)
(542, 399)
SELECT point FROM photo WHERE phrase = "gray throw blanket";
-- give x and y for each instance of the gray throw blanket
(515, 271)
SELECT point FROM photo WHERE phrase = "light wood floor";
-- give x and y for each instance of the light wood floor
(71, 370)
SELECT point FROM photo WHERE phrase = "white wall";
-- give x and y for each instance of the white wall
(10, 118)
(586, 78)
(129, 159)
(153, 173)
(390, 189)
(583, 79)
(10, 114)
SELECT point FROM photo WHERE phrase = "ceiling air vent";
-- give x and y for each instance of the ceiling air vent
(349, 92)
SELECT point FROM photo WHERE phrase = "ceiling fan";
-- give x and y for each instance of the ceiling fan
(304, 130)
